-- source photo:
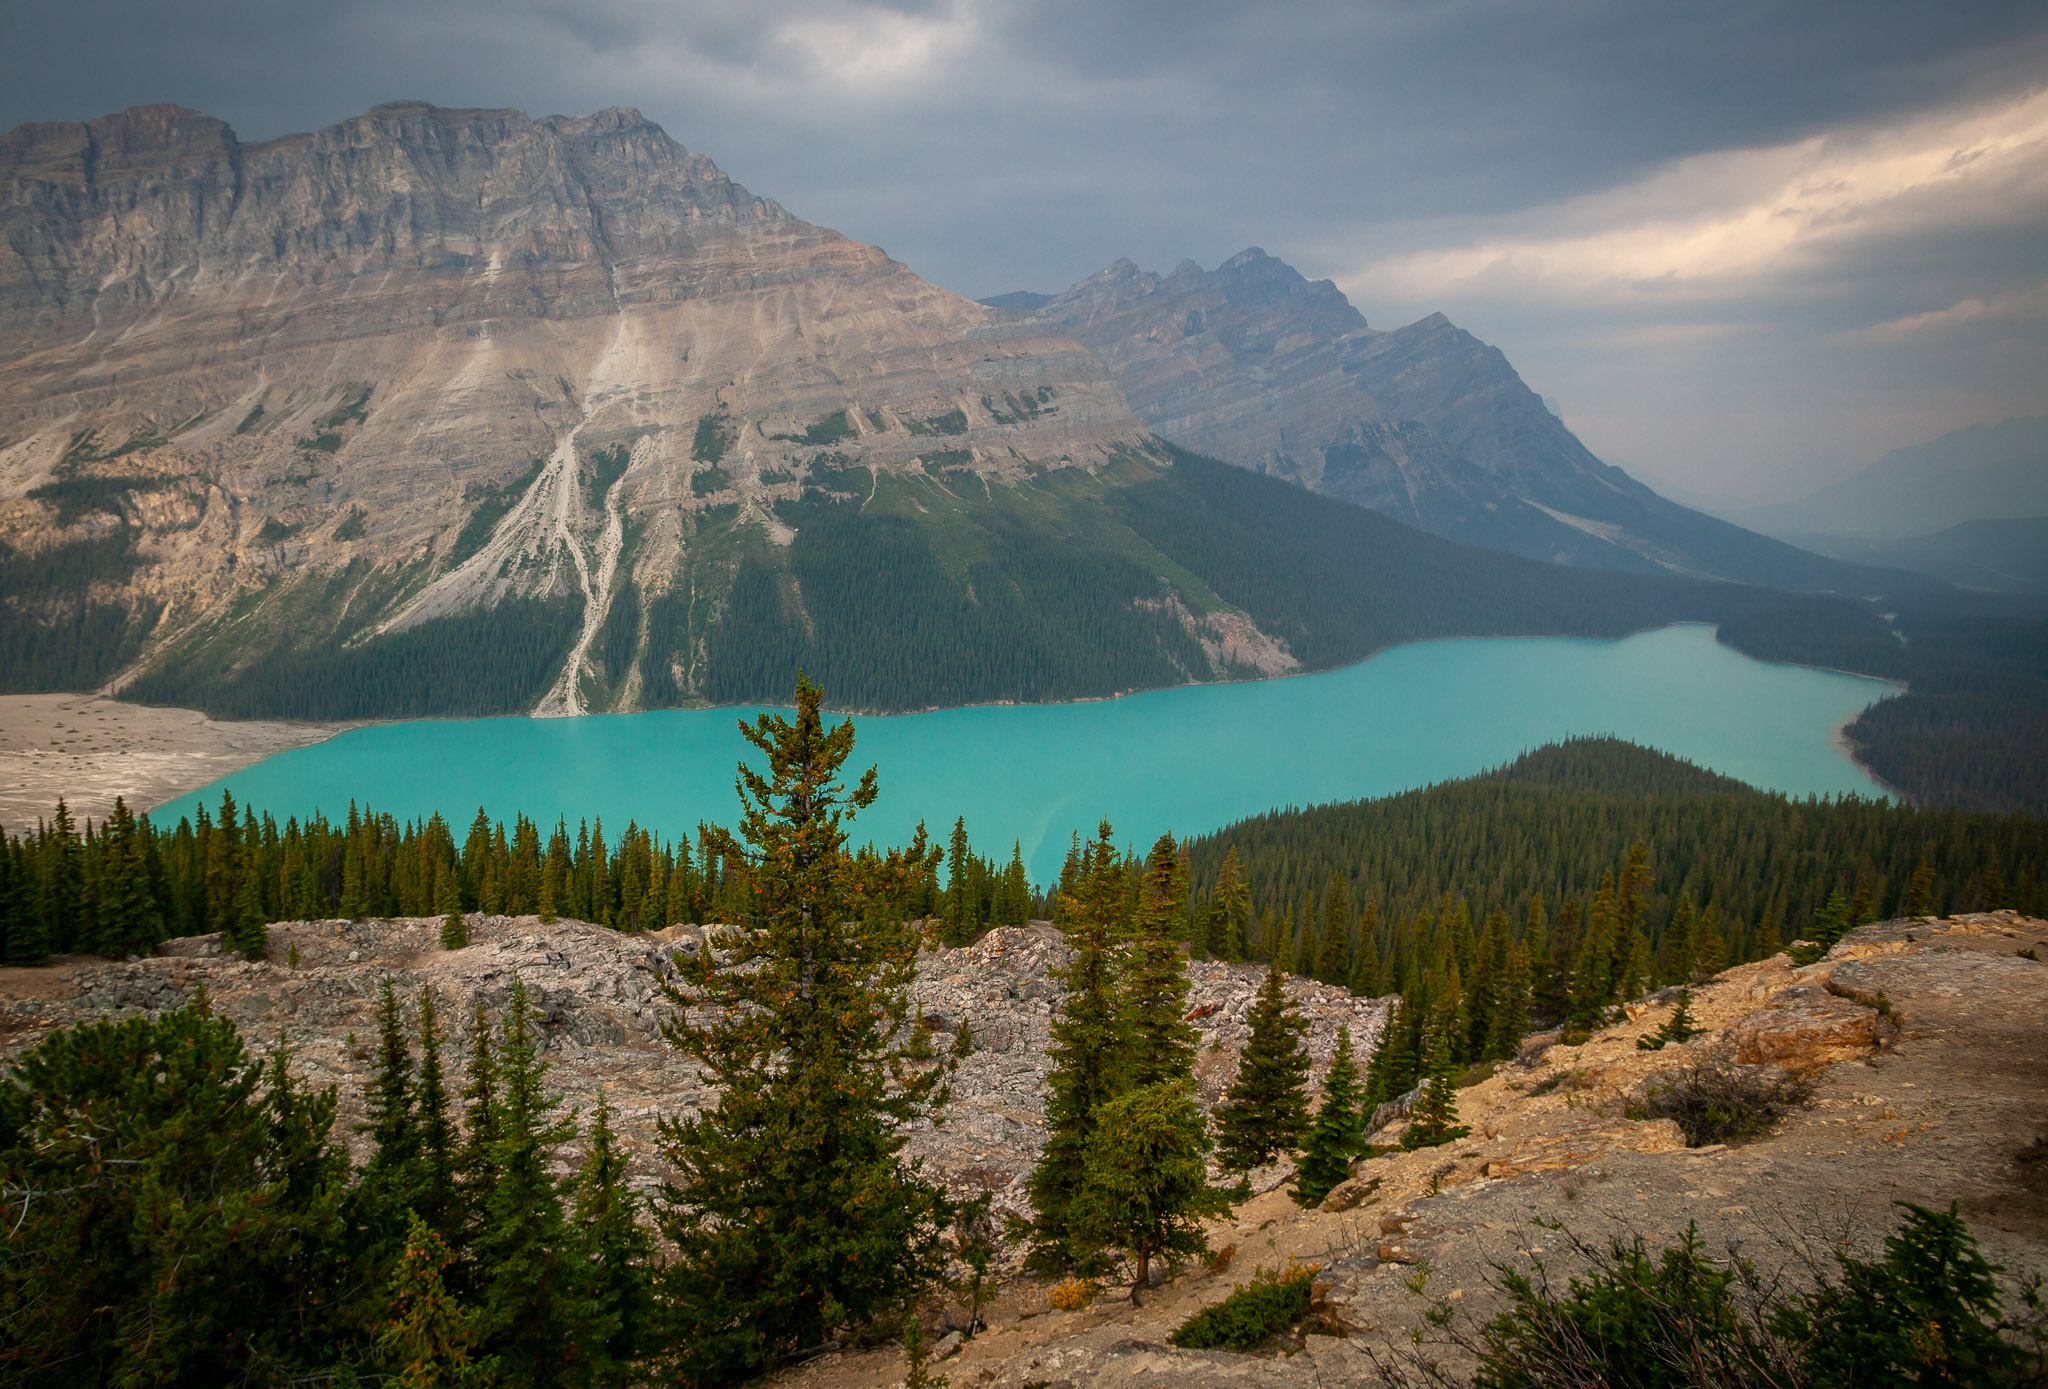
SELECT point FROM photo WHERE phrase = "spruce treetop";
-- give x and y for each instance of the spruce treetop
(1267, 1107)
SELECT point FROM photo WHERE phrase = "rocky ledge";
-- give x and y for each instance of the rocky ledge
(1924, 1044)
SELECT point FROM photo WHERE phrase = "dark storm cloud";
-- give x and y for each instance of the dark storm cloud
(999, 145)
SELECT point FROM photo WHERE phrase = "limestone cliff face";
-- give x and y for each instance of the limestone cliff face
(1254, 364)
(325, 355)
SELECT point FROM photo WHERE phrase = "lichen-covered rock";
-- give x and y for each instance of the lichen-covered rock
(1578, 1145)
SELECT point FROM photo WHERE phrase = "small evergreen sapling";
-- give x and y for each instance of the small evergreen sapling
(1146, 1190)
(1676, 1028)
(1434, 1119)
(1267, 1107)
(1338, 1134)
(916, 1357)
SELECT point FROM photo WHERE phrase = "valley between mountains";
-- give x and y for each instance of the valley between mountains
(463, 412)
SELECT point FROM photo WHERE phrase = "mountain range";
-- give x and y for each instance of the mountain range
(439, 411)
(1259, 366)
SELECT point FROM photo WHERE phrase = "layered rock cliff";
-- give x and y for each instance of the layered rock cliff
(424, 359)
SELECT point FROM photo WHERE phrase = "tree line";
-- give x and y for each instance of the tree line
(122, 886)
(1532, 840)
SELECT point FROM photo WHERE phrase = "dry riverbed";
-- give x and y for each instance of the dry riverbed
(90, 750)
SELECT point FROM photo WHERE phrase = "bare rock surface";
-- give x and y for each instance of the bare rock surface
(597, 996)
(1937, 1111)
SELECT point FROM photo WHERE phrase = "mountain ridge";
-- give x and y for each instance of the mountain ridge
(316, 376)
(1257, 365)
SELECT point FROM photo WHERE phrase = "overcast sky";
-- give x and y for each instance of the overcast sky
(1745, 245)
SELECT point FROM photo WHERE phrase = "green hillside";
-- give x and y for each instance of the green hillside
(1537, 836)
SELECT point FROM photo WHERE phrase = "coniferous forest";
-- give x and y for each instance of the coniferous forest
(186, 1212)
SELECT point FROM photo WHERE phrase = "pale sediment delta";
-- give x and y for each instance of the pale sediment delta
(89, 750)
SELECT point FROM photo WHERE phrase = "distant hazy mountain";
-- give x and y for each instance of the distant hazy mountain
(1258, 366)
(2009, 555)
(1984, 472)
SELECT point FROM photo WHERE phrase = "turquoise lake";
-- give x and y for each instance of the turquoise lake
(1187, 760)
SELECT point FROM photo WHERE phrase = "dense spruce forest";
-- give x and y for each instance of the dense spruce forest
(1972, 726)
(497, 660)
(1538, 834)
(1535, 836)
(56, 633)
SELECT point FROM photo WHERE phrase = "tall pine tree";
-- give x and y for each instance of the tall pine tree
(1088, 1042)
(1155, 982)
(793, 1212)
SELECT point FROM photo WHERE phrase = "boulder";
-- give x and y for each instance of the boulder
(1805, 1029)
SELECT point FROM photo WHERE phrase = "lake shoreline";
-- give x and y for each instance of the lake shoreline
(88, 750)
(155, 755)
(1182, 759)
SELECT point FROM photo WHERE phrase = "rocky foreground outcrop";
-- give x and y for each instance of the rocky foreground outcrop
(597, 994)
(1925, 1043)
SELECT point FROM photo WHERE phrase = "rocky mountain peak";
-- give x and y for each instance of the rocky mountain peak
(401, 344)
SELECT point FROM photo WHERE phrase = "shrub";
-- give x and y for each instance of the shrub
(1676, 1028)
(1567, 1081)
(1717, 1102)
(1073, 1294)
(1253, 1314)
(1631, 1321)
(1930, 1312)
